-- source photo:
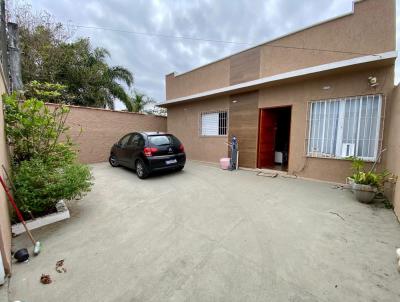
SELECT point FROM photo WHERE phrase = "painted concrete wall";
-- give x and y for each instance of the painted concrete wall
(184, 120)
(96, 130)
(361, 33)
(205, 78)
(393, 147)
(5, 229)
(299, 94)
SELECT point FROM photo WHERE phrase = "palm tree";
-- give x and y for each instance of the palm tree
(90, 79)
(48, 55)
(138, 102)
(113, 89)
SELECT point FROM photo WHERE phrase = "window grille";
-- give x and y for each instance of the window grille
(214, 123)
(340, 128)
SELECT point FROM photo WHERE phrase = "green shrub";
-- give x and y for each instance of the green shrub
(43, 159)
(41, 183)
(34, 129)
(48, 92)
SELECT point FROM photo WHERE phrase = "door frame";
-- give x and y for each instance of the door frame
(259, 131)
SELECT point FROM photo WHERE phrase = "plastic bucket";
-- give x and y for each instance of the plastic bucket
(224, 162)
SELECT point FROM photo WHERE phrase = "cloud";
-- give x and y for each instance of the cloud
(150, 58)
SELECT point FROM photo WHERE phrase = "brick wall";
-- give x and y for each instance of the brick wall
(96, 130)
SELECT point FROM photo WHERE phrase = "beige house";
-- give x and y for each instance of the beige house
(303, 102)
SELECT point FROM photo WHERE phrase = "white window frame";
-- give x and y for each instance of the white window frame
(340, 128)
(208, 132)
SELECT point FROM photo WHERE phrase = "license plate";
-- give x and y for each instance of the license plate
(171, 161)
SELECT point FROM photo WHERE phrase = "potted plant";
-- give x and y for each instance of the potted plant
(366, 184)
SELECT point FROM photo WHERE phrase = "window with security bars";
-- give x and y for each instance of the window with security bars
(340, 128)
(214, 123)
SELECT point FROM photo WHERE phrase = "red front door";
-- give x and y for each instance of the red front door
(266, 140)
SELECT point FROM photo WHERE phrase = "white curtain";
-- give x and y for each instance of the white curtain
(323, 127)
(209, 123)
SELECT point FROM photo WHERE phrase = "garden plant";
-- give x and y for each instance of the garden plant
(43, 158)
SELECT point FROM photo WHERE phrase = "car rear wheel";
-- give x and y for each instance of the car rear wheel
(113, 161)
(142, 171)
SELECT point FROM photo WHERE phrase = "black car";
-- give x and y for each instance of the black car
(146, 152)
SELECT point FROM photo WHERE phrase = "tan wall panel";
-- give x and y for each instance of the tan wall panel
(298, 94)
(245, 66)
(5, 229)
(184, 121)
(102, 128)
(370, 30)
(393, 146)
(243, 123)
(205, 78)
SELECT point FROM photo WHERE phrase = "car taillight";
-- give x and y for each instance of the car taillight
(181, 148)
(149, 151)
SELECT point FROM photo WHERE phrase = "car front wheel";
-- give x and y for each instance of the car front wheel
(142, 171)
(113, 161)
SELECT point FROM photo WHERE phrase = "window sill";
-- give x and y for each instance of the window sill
(367, 160)
(213, 136)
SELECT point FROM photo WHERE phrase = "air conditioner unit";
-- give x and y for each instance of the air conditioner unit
(348, 150)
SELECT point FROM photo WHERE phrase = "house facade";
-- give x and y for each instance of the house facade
(301, 103)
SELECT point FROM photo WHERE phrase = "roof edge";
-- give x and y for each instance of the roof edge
(287, 75)
(176, 74)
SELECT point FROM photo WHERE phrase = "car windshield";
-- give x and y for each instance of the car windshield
(160, 140)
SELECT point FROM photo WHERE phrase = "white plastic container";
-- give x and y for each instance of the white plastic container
(224, 163)
(279, 157)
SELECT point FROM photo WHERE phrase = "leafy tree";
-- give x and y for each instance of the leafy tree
(33, 129)
(48, 56)
(40, 54)
(48, 92)
(88, 76)
(138, 102)
(40, 37)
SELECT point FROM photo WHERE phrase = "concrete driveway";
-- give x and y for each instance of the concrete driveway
(210, 235)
